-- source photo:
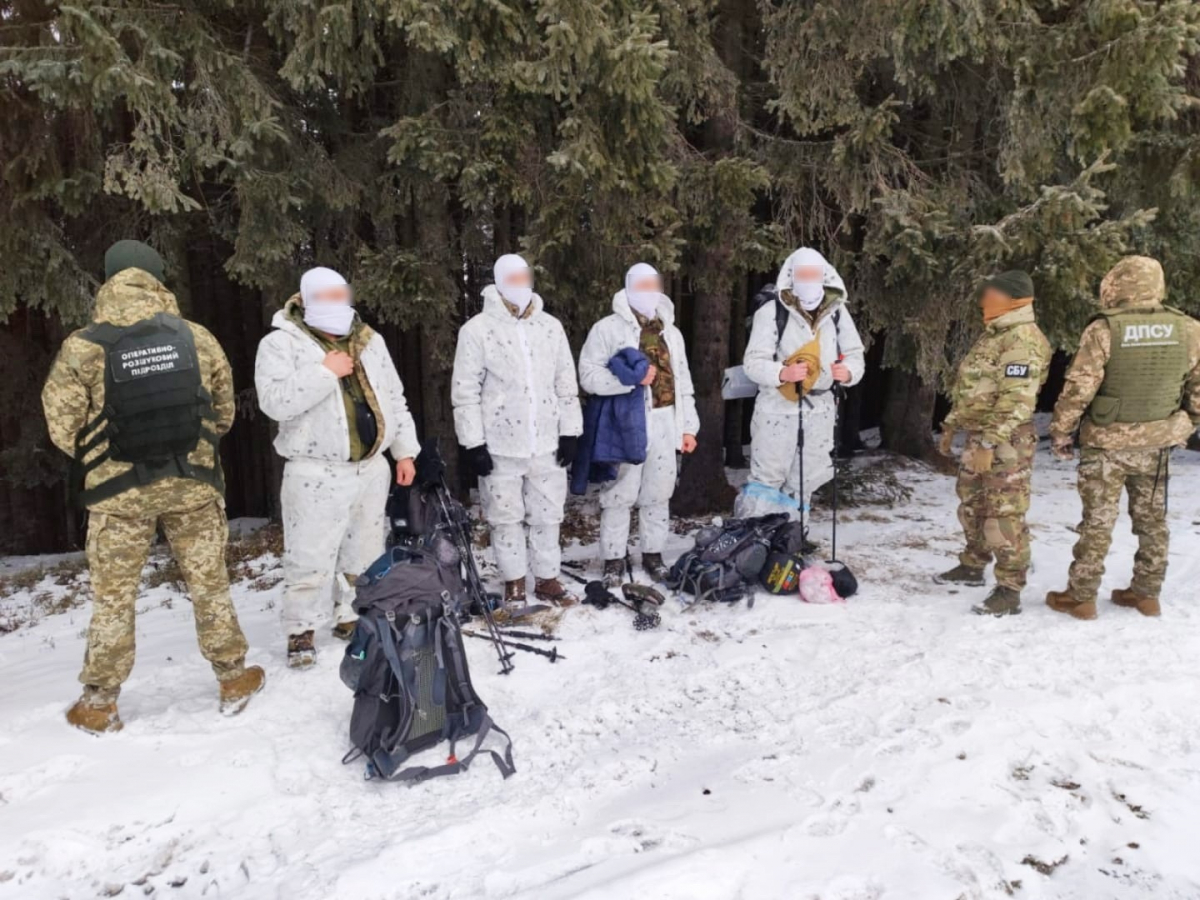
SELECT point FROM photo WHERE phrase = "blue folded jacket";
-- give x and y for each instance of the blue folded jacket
(614, 427)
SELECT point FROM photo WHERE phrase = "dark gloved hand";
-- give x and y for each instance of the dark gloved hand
(480, 460)
(568, 446)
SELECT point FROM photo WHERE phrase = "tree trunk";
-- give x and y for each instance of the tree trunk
(907, 426)
(703, 487)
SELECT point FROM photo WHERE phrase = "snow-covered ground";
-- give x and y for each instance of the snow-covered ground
(896, 747)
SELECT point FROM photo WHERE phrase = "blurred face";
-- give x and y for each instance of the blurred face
(809, 274)
(650, 284)
(993, 297)
(522, 278)
(339, 294)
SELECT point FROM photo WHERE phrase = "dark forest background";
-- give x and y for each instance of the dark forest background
(918, 143)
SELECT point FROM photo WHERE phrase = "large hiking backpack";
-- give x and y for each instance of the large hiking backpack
(155, 407)
(727, 561)
(408, 668)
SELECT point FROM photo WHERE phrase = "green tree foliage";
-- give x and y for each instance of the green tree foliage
(920, 143)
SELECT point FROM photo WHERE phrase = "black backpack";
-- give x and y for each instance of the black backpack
(155, 407)
(408, 669)
(727, 561)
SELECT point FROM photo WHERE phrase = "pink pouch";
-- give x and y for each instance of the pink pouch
(816, 586)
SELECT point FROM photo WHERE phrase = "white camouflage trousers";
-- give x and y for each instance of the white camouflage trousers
(648, 486)
(773, 458)
(520, 492)
(334, 525)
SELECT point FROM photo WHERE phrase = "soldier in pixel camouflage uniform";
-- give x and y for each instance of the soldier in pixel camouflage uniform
(1135, 387)
(139, 400)
(994, 398)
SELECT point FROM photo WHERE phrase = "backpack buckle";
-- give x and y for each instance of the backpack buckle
(390, 615)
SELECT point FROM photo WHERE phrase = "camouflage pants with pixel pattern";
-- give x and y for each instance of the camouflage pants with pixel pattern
(992, 509)
(1102, 476)
(117, 548)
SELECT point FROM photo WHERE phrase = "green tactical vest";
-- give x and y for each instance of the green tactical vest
(1147, 366)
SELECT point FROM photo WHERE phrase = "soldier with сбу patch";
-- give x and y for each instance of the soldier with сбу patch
(994, 398)
(1133, 391)
(139, 400)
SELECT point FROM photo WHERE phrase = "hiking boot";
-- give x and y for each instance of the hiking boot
(550, 590)
(960, 574)
(614, 573)
(653, 565)
(236, 692)
(1002, 601)
(94, 718)
(514, 592)
(301, 653)
(1128, 598)
(1065, 602)
(343, 630)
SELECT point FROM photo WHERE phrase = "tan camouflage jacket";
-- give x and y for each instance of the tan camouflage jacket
(1136, 282)
(74, 395)
(998, 380)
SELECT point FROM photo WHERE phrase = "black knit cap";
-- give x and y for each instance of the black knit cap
(1015, 283)
(133, 255)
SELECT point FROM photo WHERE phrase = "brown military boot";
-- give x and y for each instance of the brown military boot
(653, 565)
(514, 591)
(94, 718)
(1065, 602)
(550, 590)
(343, 630)
(301, 651)
(960, 574)
(1147, 606)
(614, 573)
(236, 692)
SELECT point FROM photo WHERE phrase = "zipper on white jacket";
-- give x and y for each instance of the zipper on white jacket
(522, 324)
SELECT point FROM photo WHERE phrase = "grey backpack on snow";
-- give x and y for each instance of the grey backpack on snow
(408, 669)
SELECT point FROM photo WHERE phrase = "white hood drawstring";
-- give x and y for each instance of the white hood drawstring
(644, 302)
(329, 317)
(519, 297)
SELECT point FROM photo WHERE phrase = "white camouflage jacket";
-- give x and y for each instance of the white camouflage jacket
(304, 397)
(766, 351)
(514, 385)
(620, 330)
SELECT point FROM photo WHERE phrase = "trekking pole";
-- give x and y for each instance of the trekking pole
(800, 461)
(474, 581)
(552, 654)
(838, 394)
(530, 635)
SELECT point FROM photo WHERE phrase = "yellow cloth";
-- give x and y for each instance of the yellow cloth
(994, 307)
(810, 353)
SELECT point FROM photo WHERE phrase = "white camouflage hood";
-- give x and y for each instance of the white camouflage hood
(832, 279)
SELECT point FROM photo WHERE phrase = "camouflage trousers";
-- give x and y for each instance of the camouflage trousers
(992, 507)
(117, 548)
(1102, 476)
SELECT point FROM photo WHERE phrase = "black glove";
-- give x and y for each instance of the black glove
(568, 446)
(480, 460)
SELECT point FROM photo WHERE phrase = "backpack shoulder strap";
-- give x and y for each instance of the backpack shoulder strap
(781, 320)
